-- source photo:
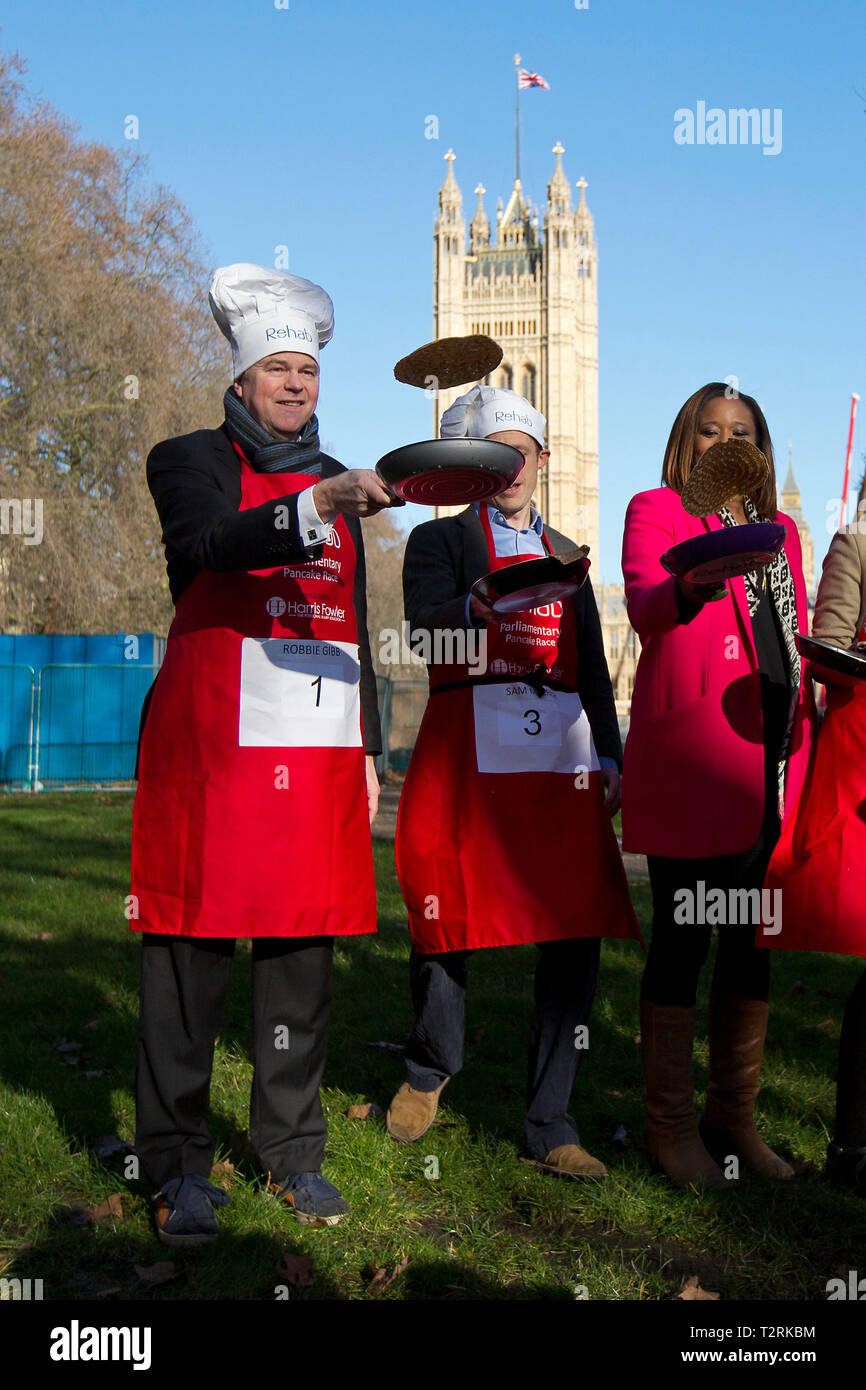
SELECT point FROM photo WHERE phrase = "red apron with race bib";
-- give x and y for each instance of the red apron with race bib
(250, 816)
(502, 836)
(820, 861)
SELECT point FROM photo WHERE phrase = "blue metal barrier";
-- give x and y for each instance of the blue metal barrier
(71, 723)
(17, 711)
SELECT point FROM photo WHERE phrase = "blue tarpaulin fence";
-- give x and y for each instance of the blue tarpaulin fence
(72, 722)
(70, 706)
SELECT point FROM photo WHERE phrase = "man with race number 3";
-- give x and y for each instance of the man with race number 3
(504, 833)
(256, 780)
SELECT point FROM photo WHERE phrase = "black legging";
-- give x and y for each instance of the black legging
(851, 1080)
(678, 950)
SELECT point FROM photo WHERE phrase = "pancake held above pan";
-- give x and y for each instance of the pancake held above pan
(533, 583)
(450, 362)
(450, 472)
(840, 659)
(720, 555)
(727, 469)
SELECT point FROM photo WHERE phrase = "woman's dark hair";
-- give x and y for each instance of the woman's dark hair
(680, 452)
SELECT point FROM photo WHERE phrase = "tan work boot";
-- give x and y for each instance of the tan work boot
(411, 1112)
(571, 1161)
(667, 1034)
(738, 1028)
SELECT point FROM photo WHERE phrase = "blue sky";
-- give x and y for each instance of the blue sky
(305, 126)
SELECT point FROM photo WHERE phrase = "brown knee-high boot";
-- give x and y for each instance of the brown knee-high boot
(738, 1027)
(667, 1039)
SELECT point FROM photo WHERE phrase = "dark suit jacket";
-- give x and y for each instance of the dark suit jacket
(442, 561)
(195, 481)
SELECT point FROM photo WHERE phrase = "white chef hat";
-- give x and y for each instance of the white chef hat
(262, 311)
(488, 409)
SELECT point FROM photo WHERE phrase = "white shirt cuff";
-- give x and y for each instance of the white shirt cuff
(314, 531)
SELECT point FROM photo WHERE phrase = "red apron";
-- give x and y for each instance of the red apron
(820, 860)
(502, 837)
(250, 817)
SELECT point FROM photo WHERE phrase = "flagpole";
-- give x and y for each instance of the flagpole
(854, 399)
(517, 118)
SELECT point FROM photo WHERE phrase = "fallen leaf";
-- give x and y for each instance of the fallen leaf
(296, 1270)
(45, 936)
(364, 1112)
(160, 1273)
(224, 1170)
(636, 1039)
(825, 1026)
(691, 1289)
(109, 1210)
(382, 1276)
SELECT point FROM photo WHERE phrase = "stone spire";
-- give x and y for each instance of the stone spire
(583, 216)
(449, 251)
(558, 191)
(479, 227)
(791, 503)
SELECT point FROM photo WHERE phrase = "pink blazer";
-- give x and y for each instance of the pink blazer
(693, 776)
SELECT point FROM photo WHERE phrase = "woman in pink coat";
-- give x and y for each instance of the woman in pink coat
(720, 725)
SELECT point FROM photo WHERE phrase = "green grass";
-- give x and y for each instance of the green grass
(488, 1227)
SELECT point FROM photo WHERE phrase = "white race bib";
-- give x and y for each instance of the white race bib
(297, 692)
(517, 730)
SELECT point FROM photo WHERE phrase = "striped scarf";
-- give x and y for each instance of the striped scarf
(267, 454)
(781, 585)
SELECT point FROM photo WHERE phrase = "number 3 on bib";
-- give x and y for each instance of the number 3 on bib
(516, 731)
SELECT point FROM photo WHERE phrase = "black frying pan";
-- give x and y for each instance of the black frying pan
(533, 583)
(840, 659)
(449, 472)
(715, 556)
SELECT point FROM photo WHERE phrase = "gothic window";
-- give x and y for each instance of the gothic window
(527, 383)
(505, 377)
(582, 238)
(565, 238)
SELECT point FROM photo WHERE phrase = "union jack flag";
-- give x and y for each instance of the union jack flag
(532, 79)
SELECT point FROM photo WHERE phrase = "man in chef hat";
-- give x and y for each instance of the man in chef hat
(256, 779)
(504, 833)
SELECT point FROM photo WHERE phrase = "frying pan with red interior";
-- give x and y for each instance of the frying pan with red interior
(533, 583)
(449, 472)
